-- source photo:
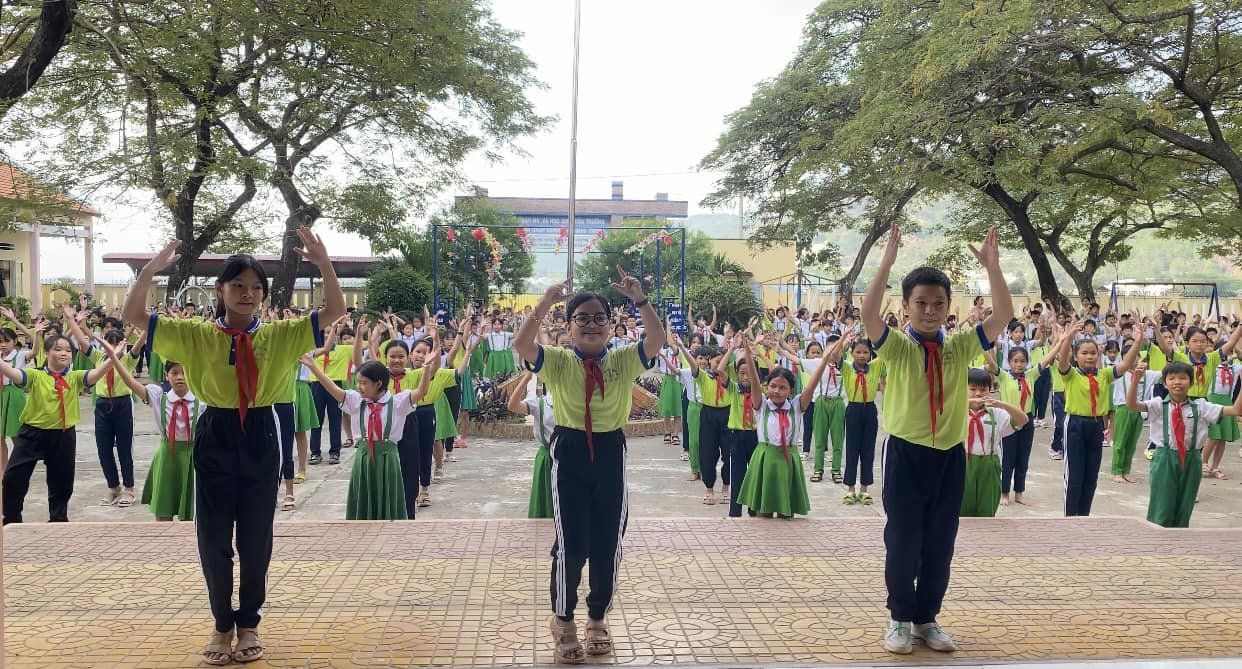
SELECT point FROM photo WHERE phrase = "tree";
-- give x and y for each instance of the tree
(51, 25)
(398, 288)
(468, 269)
(734, 301)
(596, 270)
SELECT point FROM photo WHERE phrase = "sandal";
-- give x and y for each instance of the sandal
(424, 499)
(850, 498)
(598, 640)
(685, 457)
(113, 495)
(126, 499)
(668, 439)
(299, 478)
(334, 459)
(694, 476)
(710, 498)
(676, 442)
(438, 475)
(836, 478)
(817, 477)
(1219, 475)
(288, 504)
(865, 499)
(248, 647)
(348, 443)
(567, 648)
(219, 651)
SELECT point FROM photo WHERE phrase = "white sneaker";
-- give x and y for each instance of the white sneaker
(897, 638)
(935, 638)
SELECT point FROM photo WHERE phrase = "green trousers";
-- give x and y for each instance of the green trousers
(693, 409)
(829, 420)
(1127, 425)
(981, 497)
(1173, 487)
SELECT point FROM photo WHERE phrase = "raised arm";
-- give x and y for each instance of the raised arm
(358, 345)
(1230, 346)
(430, 367)
(114, 355)
(517, 396)
(110, 362)
(872, 312)
(75, 330)
(1131, 358)
(1132, 402)
(314, 252)
(135, 310)
(808, 392)
(990, 356)
(1017, 416)
(722, 366)
(328, 384)
(752, 372)
(8, 314)
(653, 332)
(12, 373)
(524, 342)
(988, 255)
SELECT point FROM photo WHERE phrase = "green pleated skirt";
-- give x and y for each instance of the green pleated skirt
(156, 369)
(693, 411)
(774, 483)
(169, 488)
(1227, 428)
(446, 422)
(541, 486)
(499, 363)
(981, 497)
(304, 417)
(670, 397)
(375, 489)
(12, 401)
(468, 400)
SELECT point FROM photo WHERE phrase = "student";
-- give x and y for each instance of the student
(688, 368)
(1225, 388)
(537, 404)
(744, 398)
(1177, 425)
(773, 483)
(590, 387)
(1016, 388)
(397, 358)
(988, 422)
(114, 422)
(499, 352)
(716, 391)
(424, 427)
(924, 461)
(48, 431)
(333, 361)
(670, 395)
(1128, 424)
(448, 404)
(169, 488)
(863, 380)
(1086, 405)
(238, 366)
(12, 396)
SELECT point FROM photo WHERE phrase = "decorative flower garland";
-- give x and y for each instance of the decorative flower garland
(660, 235)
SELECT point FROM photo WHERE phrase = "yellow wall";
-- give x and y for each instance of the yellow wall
(18, 283)
(765, 265)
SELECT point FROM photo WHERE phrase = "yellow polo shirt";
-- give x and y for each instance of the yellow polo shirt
(850, 379)
(1078, 391)
(43, 405)
(562, 373)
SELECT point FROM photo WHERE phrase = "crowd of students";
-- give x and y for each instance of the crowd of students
(243, 396)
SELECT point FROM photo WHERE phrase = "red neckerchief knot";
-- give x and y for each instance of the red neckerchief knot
(782, 421)
(396, 382)
(594, 378)
(719, 387)
(1179, 430)
(1024, 388)
(182, 408)
(61, 385)
(375, 427)
(246, 366)
(1093, 389)
(974, 426)
(860, 379)
(748, 409)
(933, 368)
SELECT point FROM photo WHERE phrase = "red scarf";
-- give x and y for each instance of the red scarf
(832, 376)
(396, 382)
(748, 411)
(1179, 430)
(375, 427)
(860, 379)
(594, 377)
(1093, 390)
(975, 425)
(719, 388)
(110, 380)
(327, 357)
(181, 407)
(1024, 388)
(782, 420)
(247, 368)
(58, 378)
(1200, 374)
(933, 368)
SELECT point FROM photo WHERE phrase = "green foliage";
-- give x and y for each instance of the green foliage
(597, 270)
(464, 262)
(399, 288)
(20, 307)
(734, 301)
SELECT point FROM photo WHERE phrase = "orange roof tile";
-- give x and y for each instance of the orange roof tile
(17, 185)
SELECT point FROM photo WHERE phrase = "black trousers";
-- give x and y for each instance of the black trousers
(1084, 449)
(114, 431)
(808, 427)
(237, 471)
(742, 445)
(56, 448)
(713, 444)
(589, 510)
(325, 404)
(923, 490)
(861, 425)
(685, 423)
(1016, 457)
(407, 453)
(426, 441)
(453, 395)
(1042, 389)
(1058, 426)
(285, 430)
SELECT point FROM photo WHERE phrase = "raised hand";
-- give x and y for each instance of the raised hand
(312, 249)
(988, 254)
(629, 286)
(166, 258)
(890, 249)
(112, 352)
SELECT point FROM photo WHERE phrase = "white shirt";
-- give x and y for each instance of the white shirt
(996, 426)
(829, 382)
(17, 360)
(1208, 415)
(543, 428)
(690, 387)
(663, 361)
(779, 324)
(499, 341)
(1225, 379)
(1147, 386)
(1004, 346)
(162, 404)
(401, 407)
(768, 423)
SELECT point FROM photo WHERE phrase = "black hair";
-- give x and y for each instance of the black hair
(50, 342)
(1194, 330)
(1017, 325)
(703, 352)
(396, 343)
(7, 334)
(1078, 344)
(582, 298)
(347, 332)
(426, 342)
(170, 364)
(1018, 350)
(1177, 368)
(781, 372)
(925, 276)
(811, 343)
(113, 337)
(979, 378)
(833, 337)
(376, 371)
(234, 266)
(114, 323)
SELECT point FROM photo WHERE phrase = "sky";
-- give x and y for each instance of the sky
(657, 79)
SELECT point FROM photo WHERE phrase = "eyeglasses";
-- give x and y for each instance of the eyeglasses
(583, 320)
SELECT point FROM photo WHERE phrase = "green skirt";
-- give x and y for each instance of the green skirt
(469, 402)
(541, 486)
(446, 422)
(670, 397)
(981, 497)
(375, 489)
(499, 363)
(12, 401)
(169, 488)
(305, 418)
(156, 369)
(693, 411)
(1227, 428)
(774, 483)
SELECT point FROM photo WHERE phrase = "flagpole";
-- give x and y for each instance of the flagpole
(573, 147)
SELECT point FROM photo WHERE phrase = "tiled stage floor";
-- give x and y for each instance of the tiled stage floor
(707, 591)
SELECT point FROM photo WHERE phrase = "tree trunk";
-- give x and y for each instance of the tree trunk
(55, 22)
(1017, 213)
(301, 214)
(880, 225)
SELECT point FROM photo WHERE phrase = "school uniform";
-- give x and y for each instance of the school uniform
(418, 440)
(305, 416)
(540, 504)
(862, 421)
(1202, 370)
(240, 375)
(924, 463)
(1086, 404)
(715, 389)
(829, 417)
(376, 491)
(48, 433)
(335, 364)
(1224, 387)
(500, 359)
(1127, 424)
(1017, 389)
(1177, 432)
(670, 385)
(114, 422)
(773, 481)
(591, 403)
(742, 439)
(985, 428)
(169, 488)
(469, 400)
(1043, 384)
(1058, 413)
(694, 408)
(1157, 359)
(12, 396)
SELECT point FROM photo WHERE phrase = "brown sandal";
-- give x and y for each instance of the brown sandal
(817, 477)
(248, 647)
(598, 640)
(219, 651)
(567, 648)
